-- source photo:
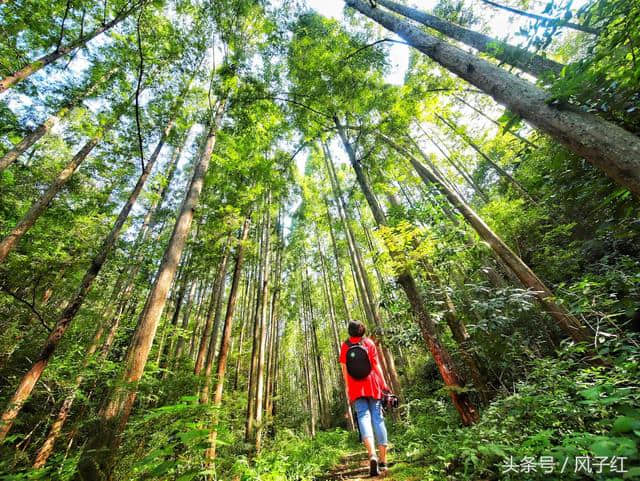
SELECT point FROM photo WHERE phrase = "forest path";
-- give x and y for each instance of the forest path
(354, 466)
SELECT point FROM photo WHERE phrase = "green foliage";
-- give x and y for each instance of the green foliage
(560, 409)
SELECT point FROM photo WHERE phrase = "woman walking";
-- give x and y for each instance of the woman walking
(366, 385)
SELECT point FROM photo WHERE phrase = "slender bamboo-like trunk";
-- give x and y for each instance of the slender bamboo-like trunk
(569, 324)
(56, 427)
(32, 376)
(255, 344)
(195, 293)
(337, 345)
(226, 340)
(307, 363)
(273, 318)
(460, 335)
(165, 353)
(351, 245)
(245, 317)
(213, 344)
(518, 57)
(46, 449)
(427, 160)
(276, 369)
(98, 459)
(429, 331)
(607, 146)
(315, 352)
(463, 173)
(33, 67)
(216, 295)
(45, 127)
(264, 308)
(336, 257)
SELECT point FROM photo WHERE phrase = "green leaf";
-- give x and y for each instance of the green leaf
(625, 424)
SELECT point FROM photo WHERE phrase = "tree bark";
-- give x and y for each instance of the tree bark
(246, 310)
(607, 146)
(98, 459)
(195, 291)
(518, 57)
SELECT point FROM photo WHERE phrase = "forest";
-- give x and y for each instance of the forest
(197, 196)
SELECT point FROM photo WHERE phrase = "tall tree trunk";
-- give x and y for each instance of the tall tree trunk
(429, 331)
(518, 57)
(194, 293)
(334, 330)
(246, 304)
(255, 344)
(273, 317)
(165, 353)
(315, 353)
(338, 266)
(213, 344)
(460, 335)
(547, 21)
(226, 340)
(342, 211)
(37, 133)
(607, 146)
(264, 310)
(570, 324)
(42, 62)
(46, 449)
(32, 376)
(98, 459)
(216, 296)
(306, 363)
(56, 427)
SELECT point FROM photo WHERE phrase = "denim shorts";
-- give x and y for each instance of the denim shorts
(371, 419)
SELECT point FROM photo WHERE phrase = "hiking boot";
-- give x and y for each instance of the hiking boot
(373, 467)
(382, 468)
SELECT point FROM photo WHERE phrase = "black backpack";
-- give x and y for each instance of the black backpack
(358, 363)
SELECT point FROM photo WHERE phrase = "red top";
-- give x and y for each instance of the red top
(373, 384)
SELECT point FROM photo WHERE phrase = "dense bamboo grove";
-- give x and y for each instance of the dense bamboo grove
(197, 196)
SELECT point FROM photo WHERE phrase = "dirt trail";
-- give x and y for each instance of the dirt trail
(354, 466)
